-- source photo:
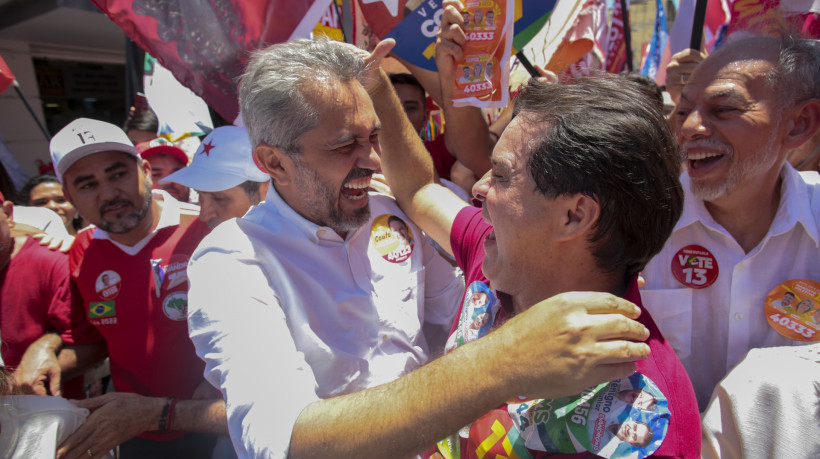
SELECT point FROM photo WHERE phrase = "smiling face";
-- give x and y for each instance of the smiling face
(331, 173)
(523, 218)
(635, 433)
(804, 306)
(111, 190)
(50, 195)
(728, 124)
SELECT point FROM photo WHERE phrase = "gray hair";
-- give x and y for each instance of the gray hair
(274, 91)
(797, 73)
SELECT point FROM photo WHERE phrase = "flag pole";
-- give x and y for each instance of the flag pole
(527, 64)
(30, 109)
(627, 35)
(697, 25)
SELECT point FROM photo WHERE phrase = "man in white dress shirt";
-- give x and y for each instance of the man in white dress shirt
(750, 221)
(308, 310)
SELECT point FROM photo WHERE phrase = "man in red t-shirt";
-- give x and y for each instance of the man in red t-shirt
(35, 297)
(582, 193)
(129, 275)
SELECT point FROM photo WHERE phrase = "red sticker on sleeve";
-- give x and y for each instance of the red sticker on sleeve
(695, 267)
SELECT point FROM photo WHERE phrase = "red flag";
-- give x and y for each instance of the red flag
(616, 45)
(6, 77)
(205, 43)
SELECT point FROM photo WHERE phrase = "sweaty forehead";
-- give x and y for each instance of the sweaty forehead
(736, 78)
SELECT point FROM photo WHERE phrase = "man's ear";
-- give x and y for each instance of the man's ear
(803, 123)
(275, 162)
(8, 209)
(581, 212)
(146, 169)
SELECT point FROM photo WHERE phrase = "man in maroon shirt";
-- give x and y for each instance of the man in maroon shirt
(34, 296)
(582, 193)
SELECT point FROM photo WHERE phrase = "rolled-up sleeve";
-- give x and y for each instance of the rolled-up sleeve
(240, 331)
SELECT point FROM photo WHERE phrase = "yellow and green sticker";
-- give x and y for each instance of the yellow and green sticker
(101, 309)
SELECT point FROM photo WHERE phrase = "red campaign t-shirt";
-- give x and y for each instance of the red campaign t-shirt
(35, 298)
(683, 436)
(139, 305)
(443, 160)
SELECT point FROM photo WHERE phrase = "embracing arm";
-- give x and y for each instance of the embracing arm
(409, 415)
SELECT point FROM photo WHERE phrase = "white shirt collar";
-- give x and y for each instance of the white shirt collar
(275, 204)
(795, 207)
(169, 216)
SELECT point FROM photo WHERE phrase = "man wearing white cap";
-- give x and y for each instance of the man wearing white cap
(224, 175)
(129, 275)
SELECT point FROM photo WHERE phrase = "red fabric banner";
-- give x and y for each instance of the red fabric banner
(206, 43)
(616, 46)
(6, 77)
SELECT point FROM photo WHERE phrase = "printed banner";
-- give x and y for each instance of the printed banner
(483, 79)
(414, 24)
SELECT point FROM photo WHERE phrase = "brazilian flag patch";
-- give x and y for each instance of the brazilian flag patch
(101, 309)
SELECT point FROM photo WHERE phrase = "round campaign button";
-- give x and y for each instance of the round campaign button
(392, 238)
(108, 285)
(793, 309)
(695, 267)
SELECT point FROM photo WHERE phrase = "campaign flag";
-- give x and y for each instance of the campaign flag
(715, 24)
(6, 77)
(205, 43)
(679, 39)
(330, 24)
(771, 18)
(180, 112)
(656, 44)
(590, 25)
(414, 25)
(616, 43)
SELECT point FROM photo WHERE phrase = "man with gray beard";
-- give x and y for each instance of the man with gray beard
(749, 228)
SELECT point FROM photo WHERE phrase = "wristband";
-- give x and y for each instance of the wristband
(167, 414)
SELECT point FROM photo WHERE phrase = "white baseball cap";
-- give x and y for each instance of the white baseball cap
(83, 137)
(223, 160)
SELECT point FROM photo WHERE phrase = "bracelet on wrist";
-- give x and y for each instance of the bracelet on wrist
(167, 414)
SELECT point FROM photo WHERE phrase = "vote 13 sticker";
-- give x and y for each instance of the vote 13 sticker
(793, 309)
(695, 267)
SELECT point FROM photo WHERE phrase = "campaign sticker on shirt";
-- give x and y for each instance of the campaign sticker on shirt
(108, 285)
(793, 309)
(176, 273)
(695, 267)
(175, 306)
(477, 315)
(102, 312)
(392, 238)
(626, 418)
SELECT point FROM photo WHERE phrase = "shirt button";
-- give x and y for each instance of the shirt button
(738, 316)
(321, 232)
(313, 240)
